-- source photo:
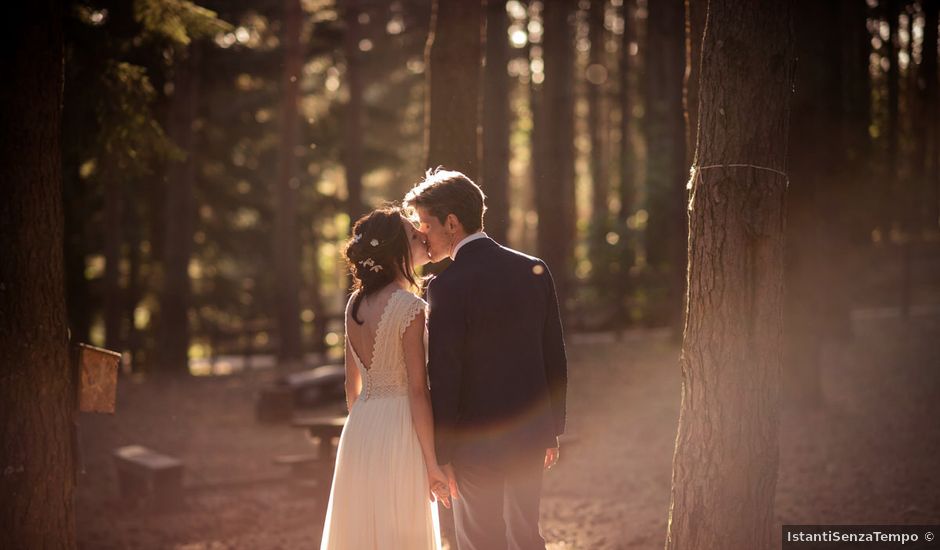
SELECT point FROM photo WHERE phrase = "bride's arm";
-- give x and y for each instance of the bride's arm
(353, 378)
(418, 393)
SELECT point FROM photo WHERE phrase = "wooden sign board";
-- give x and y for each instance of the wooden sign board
(97, 378)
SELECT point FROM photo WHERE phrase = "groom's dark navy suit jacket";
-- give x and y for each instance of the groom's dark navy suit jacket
(496, 354)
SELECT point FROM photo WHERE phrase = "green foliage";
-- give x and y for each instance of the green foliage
(130, 137)
(177, 20)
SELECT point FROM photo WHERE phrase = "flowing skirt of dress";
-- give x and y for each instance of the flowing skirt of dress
(379, 498)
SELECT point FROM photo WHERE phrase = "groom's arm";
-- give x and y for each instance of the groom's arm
(553, 351)
(446, 333)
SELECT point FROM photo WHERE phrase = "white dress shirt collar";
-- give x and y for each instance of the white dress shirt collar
(467, 239)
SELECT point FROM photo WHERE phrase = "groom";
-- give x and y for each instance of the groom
(497, 368)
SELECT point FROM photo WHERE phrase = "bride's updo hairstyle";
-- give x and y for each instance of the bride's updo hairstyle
(377, 252)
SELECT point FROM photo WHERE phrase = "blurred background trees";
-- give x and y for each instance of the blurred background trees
(215, 153)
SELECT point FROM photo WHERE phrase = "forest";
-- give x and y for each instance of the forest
(739, 201)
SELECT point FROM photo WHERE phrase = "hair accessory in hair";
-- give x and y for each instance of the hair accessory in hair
(368, 262)
(374, 242)
(357, 237)
(376, 268)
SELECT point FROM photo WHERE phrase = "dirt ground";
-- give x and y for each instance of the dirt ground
(868, 456)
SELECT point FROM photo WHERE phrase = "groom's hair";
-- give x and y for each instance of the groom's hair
(444, 192)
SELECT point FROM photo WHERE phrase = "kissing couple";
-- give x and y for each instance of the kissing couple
(459, 399)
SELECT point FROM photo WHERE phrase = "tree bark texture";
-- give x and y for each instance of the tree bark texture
(286, 247)
(37, 388)
(453, 55)
(496, 119)
(726, 456)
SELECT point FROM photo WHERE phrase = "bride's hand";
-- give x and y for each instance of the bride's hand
(438, 484)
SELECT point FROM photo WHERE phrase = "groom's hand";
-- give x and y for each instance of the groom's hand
(551, 456)
(451, 480)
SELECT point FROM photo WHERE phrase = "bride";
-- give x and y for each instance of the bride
(387, 477)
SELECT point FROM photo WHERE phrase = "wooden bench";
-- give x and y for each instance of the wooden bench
(146, 475)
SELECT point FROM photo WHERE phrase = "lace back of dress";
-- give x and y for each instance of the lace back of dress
(387, 376)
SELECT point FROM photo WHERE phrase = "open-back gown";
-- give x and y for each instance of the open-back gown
(379, 498)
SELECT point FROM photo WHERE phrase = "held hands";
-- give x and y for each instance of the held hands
(439, 485)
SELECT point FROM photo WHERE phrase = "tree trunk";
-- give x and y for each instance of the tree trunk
(627, 154)
(286, 247)
(113, 239)
(816, 166)
(179, 215)
(597, 119)
(695, 13)
(77, 292)
(352, 153)
(555, 194)
(37, 388)
(666, 170)
(930, 210)
(453, 63)
(893, 204)
(726, 456)
(496, 117)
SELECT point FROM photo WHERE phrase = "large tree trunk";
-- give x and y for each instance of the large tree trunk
(179, 216)
(725, 464)
(555, 194)
(286, 247)
(352, 151)
(37, 389)
(496, 117)
(453, 56)
(666, 170)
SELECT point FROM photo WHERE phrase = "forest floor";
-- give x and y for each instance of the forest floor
(867, 456)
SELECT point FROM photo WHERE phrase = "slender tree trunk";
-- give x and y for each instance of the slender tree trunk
(815, 170)
(113, 239)
(892, 185)
(37, 387)
(695, 11)
(286, 247)
(930, 210)
(453, 56)
(556, 192)
(666, 170)
(179, 215)
(352, 154)
(496, 118)
(133, 294)
(725, 464)
(597, 119)
(77, 291)
(627, 153)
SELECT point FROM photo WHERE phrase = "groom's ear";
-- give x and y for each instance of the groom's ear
(452, 223)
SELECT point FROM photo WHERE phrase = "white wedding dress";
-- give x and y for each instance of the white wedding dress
(379, 498)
